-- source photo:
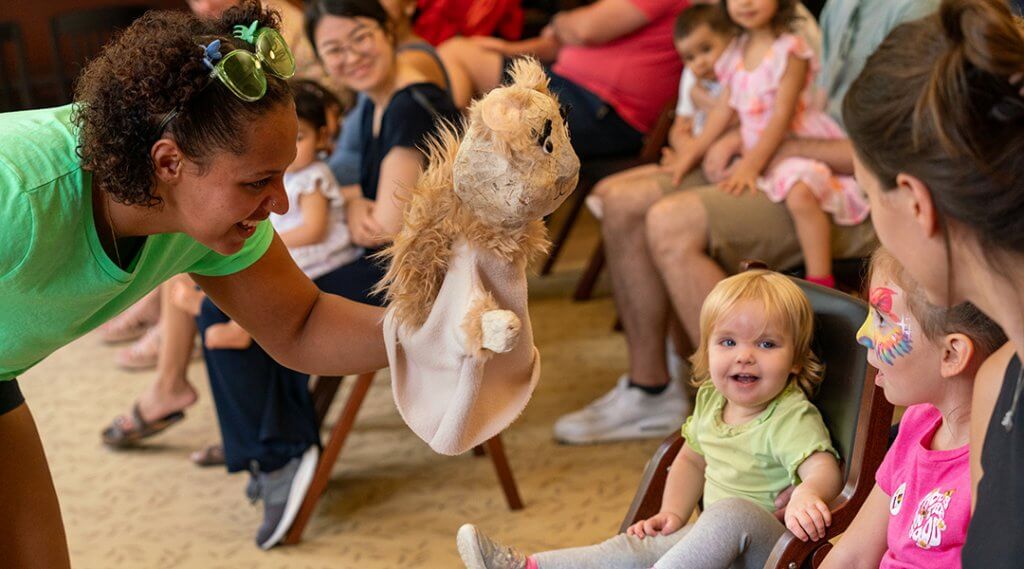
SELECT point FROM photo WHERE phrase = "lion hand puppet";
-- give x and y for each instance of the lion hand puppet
(457, 330)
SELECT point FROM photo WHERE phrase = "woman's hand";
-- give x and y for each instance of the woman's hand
(663, 523)
(807, 515)
(366, 232)
(742, 178)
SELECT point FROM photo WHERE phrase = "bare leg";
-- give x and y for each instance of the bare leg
(227, 336)
(31, 529)
(677, 236)
(639, 295)
(472, 69)
(812, 230)
(171, 391)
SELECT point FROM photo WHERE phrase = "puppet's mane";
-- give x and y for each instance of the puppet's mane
(434, 220)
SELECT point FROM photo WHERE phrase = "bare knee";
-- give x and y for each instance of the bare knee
(676, 226)
(801, 200)
(625, 203)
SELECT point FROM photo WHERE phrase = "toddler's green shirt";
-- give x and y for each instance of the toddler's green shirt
(758, 459)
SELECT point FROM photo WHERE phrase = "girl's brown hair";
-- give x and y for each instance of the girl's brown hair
(783, 303)
(156, 67)
(935, 101)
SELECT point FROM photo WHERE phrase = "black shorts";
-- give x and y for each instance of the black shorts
(10, 396)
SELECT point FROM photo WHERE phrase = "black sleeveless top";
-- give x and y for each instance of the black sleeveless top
(995, 538)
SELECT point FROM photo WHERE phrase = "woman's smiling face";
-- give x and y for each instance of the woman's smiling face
(219, 203)
(355, 50)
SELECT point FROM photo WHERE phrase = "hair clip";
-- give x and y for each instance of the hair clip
(1008, 109)
(246, 33)
(211, 54)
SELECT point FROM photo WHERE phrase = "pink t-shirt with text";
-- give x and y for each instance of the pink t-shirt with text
(929, 495)
(637, 74)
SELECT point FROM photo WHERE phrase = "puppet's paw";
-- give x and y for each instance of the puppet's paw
(500, 330)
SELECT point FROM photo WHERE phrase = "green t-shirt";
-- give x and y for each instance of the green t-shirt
(56, 282)
(758, 459)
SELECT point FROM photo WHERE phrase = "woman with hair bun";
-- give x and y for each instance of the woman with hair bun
(169, 161)
(937, 123)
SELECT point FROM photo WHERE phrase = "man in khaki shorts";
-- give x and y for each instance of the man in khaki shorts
(666, 247)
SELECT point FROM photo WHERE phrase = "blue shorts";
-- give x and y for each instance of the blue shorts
(595, 128)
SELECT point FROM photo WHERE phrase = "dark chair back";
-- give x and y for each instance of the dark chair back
(78, 36)
(837, 317)
(15, 91)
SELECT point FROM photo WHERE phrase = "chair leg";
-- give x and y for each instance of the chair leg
(508, 482)
(585, 287)
(579, 197)
(322, 475)
(324, 391)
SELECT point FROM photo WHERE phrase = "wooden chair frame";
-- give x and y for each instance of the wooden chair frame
(324, 392)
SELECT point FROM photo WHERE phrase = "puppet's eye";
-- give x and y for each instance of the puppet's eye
(548, 146)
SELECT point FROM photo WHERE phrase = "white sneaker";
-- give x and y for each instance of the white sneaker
(480, 552)
(625, 413)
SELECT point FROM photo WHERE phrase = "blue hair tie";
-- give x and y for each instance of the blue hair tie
(211, 54)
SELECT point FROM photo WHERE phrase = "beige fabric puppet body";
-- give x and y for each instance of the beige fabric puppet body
(457, 328)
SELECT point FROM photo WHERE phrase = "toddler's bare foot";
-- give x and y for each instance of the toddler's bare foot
(187, 297)
(227, 336)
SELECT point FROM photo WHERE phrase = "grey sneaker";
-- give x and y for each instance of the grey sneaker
(282, 492)
(479, 552)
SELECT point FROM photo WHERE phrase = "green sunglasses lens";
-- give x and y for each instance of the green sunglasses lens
(240, 72)
(274, 53)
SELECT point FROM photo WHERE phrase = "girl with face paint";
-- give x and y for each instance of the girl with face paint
(926, 357)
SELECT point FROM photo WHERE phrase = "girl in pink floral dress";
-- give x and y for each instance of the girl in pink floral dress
(767, 72)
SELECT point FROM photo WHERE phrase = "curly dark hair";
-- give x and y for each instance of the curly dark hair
(153, 68)
(784, 19)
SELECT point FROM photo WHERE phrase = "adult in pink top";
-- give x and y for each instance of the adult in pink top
(614, 66)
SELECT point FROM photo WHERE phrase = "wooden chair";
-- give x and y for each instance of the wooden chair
(324, 392)
(593, 171)
(15, 91)
(78, 36)
(855, 411)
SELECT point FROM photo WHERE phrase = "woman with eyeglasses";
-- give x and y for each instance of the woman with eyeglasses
(357, 43)
(170, 161)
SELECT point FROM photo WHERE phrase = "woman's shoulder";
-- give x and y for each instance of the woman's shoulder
(422, 99)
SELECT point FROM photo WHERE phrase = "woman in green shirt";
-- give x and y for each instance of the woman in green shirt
(170, 161)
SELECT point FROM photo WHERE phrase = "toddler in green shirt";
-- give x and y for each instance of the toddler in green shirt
(753, 433)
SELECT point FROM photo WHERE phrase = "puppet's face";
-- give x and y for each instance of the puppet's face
(515, 163)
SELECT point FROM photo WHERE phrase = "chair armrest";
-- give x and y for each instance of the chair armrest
(647, 500)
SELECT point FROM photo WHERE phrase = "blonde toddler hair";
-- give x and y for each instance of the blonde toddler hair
(783, 302)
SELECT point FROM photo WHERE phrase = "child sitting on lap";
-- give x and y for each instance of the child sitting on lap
(701, 34)
(767, 72)
(753, 433)
(917, 513)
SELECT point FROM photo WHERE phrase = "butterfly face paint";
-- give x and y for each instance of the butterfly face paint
(884, 331)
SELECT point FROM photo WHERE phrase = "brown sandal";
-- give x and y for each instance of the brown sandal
(212, 455)
(117, 435)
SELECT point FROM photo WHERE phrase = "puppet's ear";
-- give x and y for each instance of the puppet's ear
(528, 73)
(502, 111)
